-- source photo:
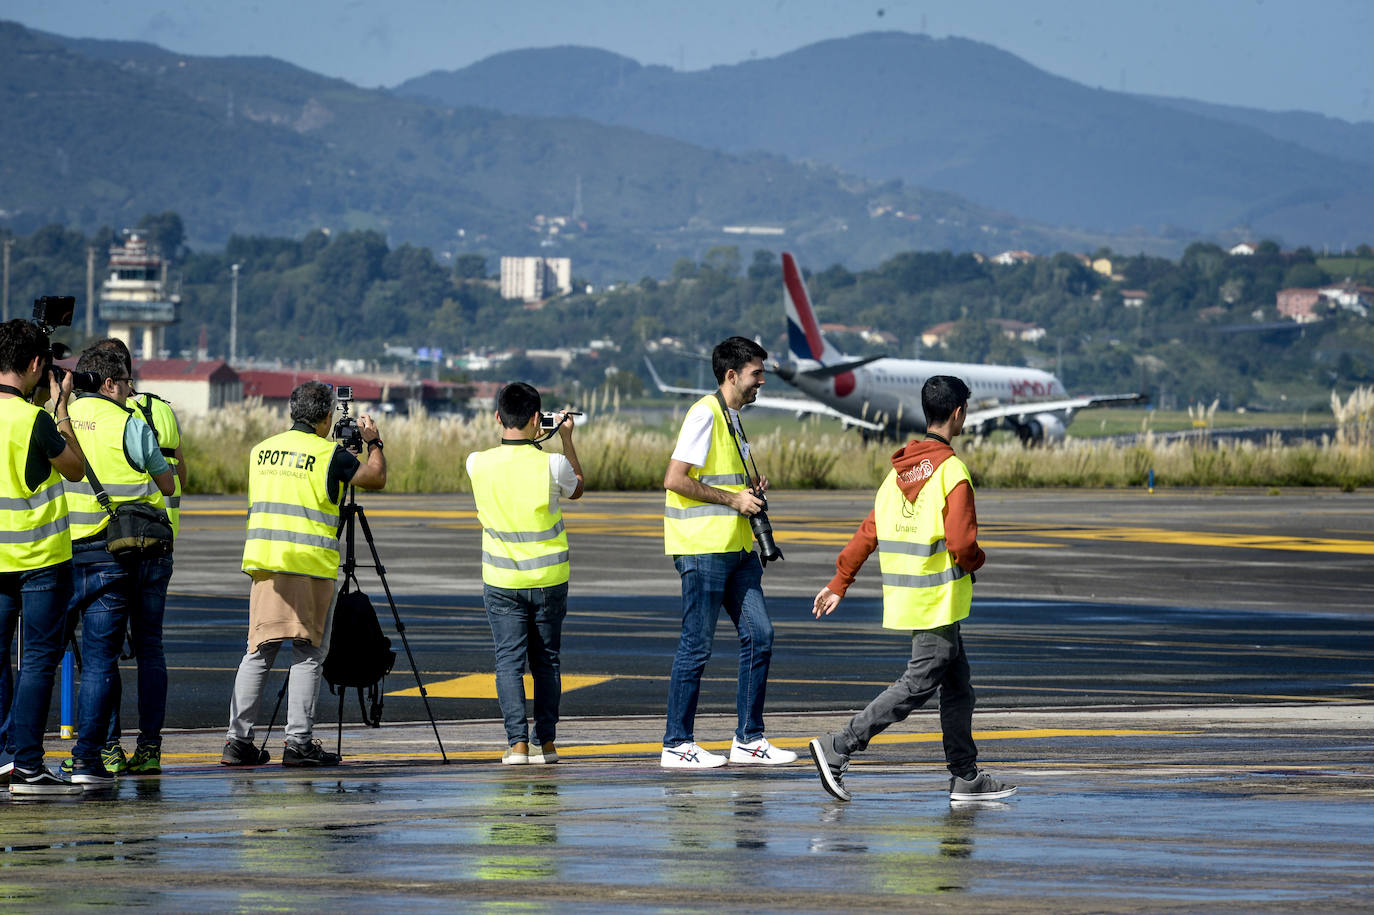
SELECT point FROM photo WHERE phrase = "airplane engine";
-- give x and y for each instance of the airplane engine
(1041, 428)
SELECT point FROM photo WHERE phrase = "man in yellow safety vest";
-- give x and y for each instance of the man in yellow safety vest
(296, 481)
(706, 530)
(925, 529)
(36, 551)
(517, 487)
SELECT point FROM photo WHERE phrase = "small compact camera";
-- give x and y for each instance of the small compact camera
(344, 392)
(549, 421)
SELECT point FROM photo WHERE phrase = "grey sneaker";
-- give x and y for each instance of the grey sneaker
(982, 787)
(308, 755)
(830, 766)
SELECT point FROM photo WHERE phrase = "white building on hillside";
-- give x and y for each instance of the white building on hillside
(532, 279)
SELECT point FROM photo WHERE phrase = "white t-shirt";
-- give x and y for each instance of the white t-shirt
(562, 478)
(694, 439)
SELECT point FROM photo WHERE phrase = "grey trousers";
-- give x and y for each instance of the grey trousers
(938, 664)
(303, 689)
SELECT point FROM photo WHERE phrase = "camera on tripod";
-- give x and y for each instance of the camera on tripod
(53, 311)
(346, 431)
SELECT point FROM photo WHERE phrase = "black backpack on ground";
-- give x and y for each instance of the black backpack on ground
(359, 655)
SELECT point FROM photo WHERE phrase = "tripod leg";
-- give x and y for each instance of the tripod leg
(357, 511)
(281, 694)
(338, 741)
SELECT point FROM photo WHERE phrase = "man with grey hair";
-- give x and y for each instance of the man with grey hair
(296, 482)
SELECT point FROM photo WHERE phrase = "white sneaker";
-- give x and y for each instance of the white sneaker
(689, 756)
(760, 753)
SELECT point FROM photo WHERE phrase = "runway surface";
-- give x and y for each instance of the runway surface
(1179, 683)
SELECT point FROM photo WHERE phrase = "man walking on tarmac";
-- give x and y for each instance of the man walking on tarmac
(706, 531)
(296, 481)
(517, 487)
(925, 529)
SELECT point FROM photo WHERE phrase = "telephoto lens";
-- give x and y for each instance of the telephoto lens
(763, 533)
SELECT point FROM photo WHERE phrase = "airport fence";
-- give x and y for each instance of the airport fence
(428, 454)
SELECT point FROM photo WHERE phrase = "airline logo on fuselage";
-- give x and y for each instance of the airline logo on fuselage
(1031, 388)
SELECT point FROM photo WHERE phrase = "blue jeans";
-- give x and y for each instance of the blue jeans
(711, 581)
(43, 596)
(111, 595)
(527, 623)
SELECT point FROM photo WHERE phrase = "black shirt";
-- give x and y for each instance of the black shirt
(342, 466)
(45, 443)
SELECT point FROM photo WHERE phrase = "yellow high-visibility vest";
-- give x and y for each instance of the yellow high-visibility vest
(33, 522)
(293, 521)
(692, 527)
(923, 588)
(164, 422)
(98, 424)
(524, 544)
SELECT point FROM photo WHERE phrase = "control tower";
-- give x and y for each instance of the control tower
(134, 299)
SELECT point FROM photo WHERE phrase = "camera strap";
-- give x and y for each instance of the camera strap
(737, 433)
(101, 495)
(9, 390)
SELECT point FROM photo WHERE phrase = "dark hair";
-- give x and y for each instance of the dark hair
(734, 353)
(116, 345)
(311, 402)
(516, 403)
(941, 395)
(104, 362)
(20, 342)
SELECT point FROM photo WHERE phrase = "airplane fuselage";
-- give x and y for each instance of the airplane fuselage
(888, 391)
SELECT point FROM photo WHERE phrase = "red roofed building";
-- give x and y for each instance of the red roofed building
(370, 394)
(192, 388)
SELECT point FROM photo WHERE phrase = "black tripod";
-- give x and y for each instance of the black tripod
(349, 513)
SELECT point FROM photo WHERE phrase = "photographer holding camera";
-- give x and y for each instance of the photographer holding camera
(517, 487)
(35, 557)
(706, 529)
(125, 462)
(296, 481)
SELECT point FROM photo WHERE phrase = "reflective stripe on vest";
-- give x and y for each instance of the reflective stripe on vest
(292, 521)
(99, 425)
(34, 530)
(923, 588)
(169, 440)
(524, 543)
(692, 527)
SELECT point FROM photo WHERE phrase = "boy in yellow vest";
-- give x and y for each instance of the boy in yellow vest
(925, 529)
(517, 487)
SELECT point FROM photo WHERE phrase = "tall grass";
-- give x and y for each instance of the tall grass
(428, 454)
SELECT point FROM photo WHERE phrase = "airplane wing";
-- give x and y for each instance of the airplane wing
(1030, 408)
(795, 405)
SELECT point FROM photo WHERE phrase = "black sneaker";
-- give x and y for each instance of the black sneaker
(982, 787)
(243, 753)
(830, 766)
(40, 782)
(308, 754)
(90, 773)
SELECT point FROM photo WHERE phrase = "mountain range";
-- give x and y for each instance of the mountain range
(848, 151)
(967, 118)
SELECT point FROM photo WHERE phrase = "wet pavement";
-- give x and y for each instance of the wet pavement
(1258, 808)
(1180, 686)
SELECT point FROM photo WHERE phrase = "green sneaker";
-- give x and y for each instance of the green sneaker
(146, 761)
(114, 759)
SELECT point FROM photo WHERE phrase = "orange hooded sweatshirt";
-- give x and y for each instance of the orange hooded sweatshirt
(961, 521)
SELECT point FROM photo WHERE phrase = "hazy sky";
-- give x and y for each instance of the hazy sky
(1275, 54)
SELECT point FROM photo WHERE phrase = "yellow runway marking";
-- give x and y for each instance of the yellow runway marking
(483, 686)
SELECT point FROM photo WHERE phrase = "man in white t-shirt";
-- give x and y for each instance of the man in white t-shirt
(517, 487)
(709, 501)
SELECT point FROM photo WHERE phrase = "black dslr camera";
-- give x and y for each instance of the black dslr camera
(346, 431)
(763, 533)
(53, 311)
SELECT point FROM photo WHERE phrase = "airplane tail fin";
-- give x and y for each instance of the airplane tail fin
(805, 342)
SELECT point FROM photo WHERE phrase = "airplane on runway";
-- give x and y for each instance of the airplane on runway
(882, 395)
